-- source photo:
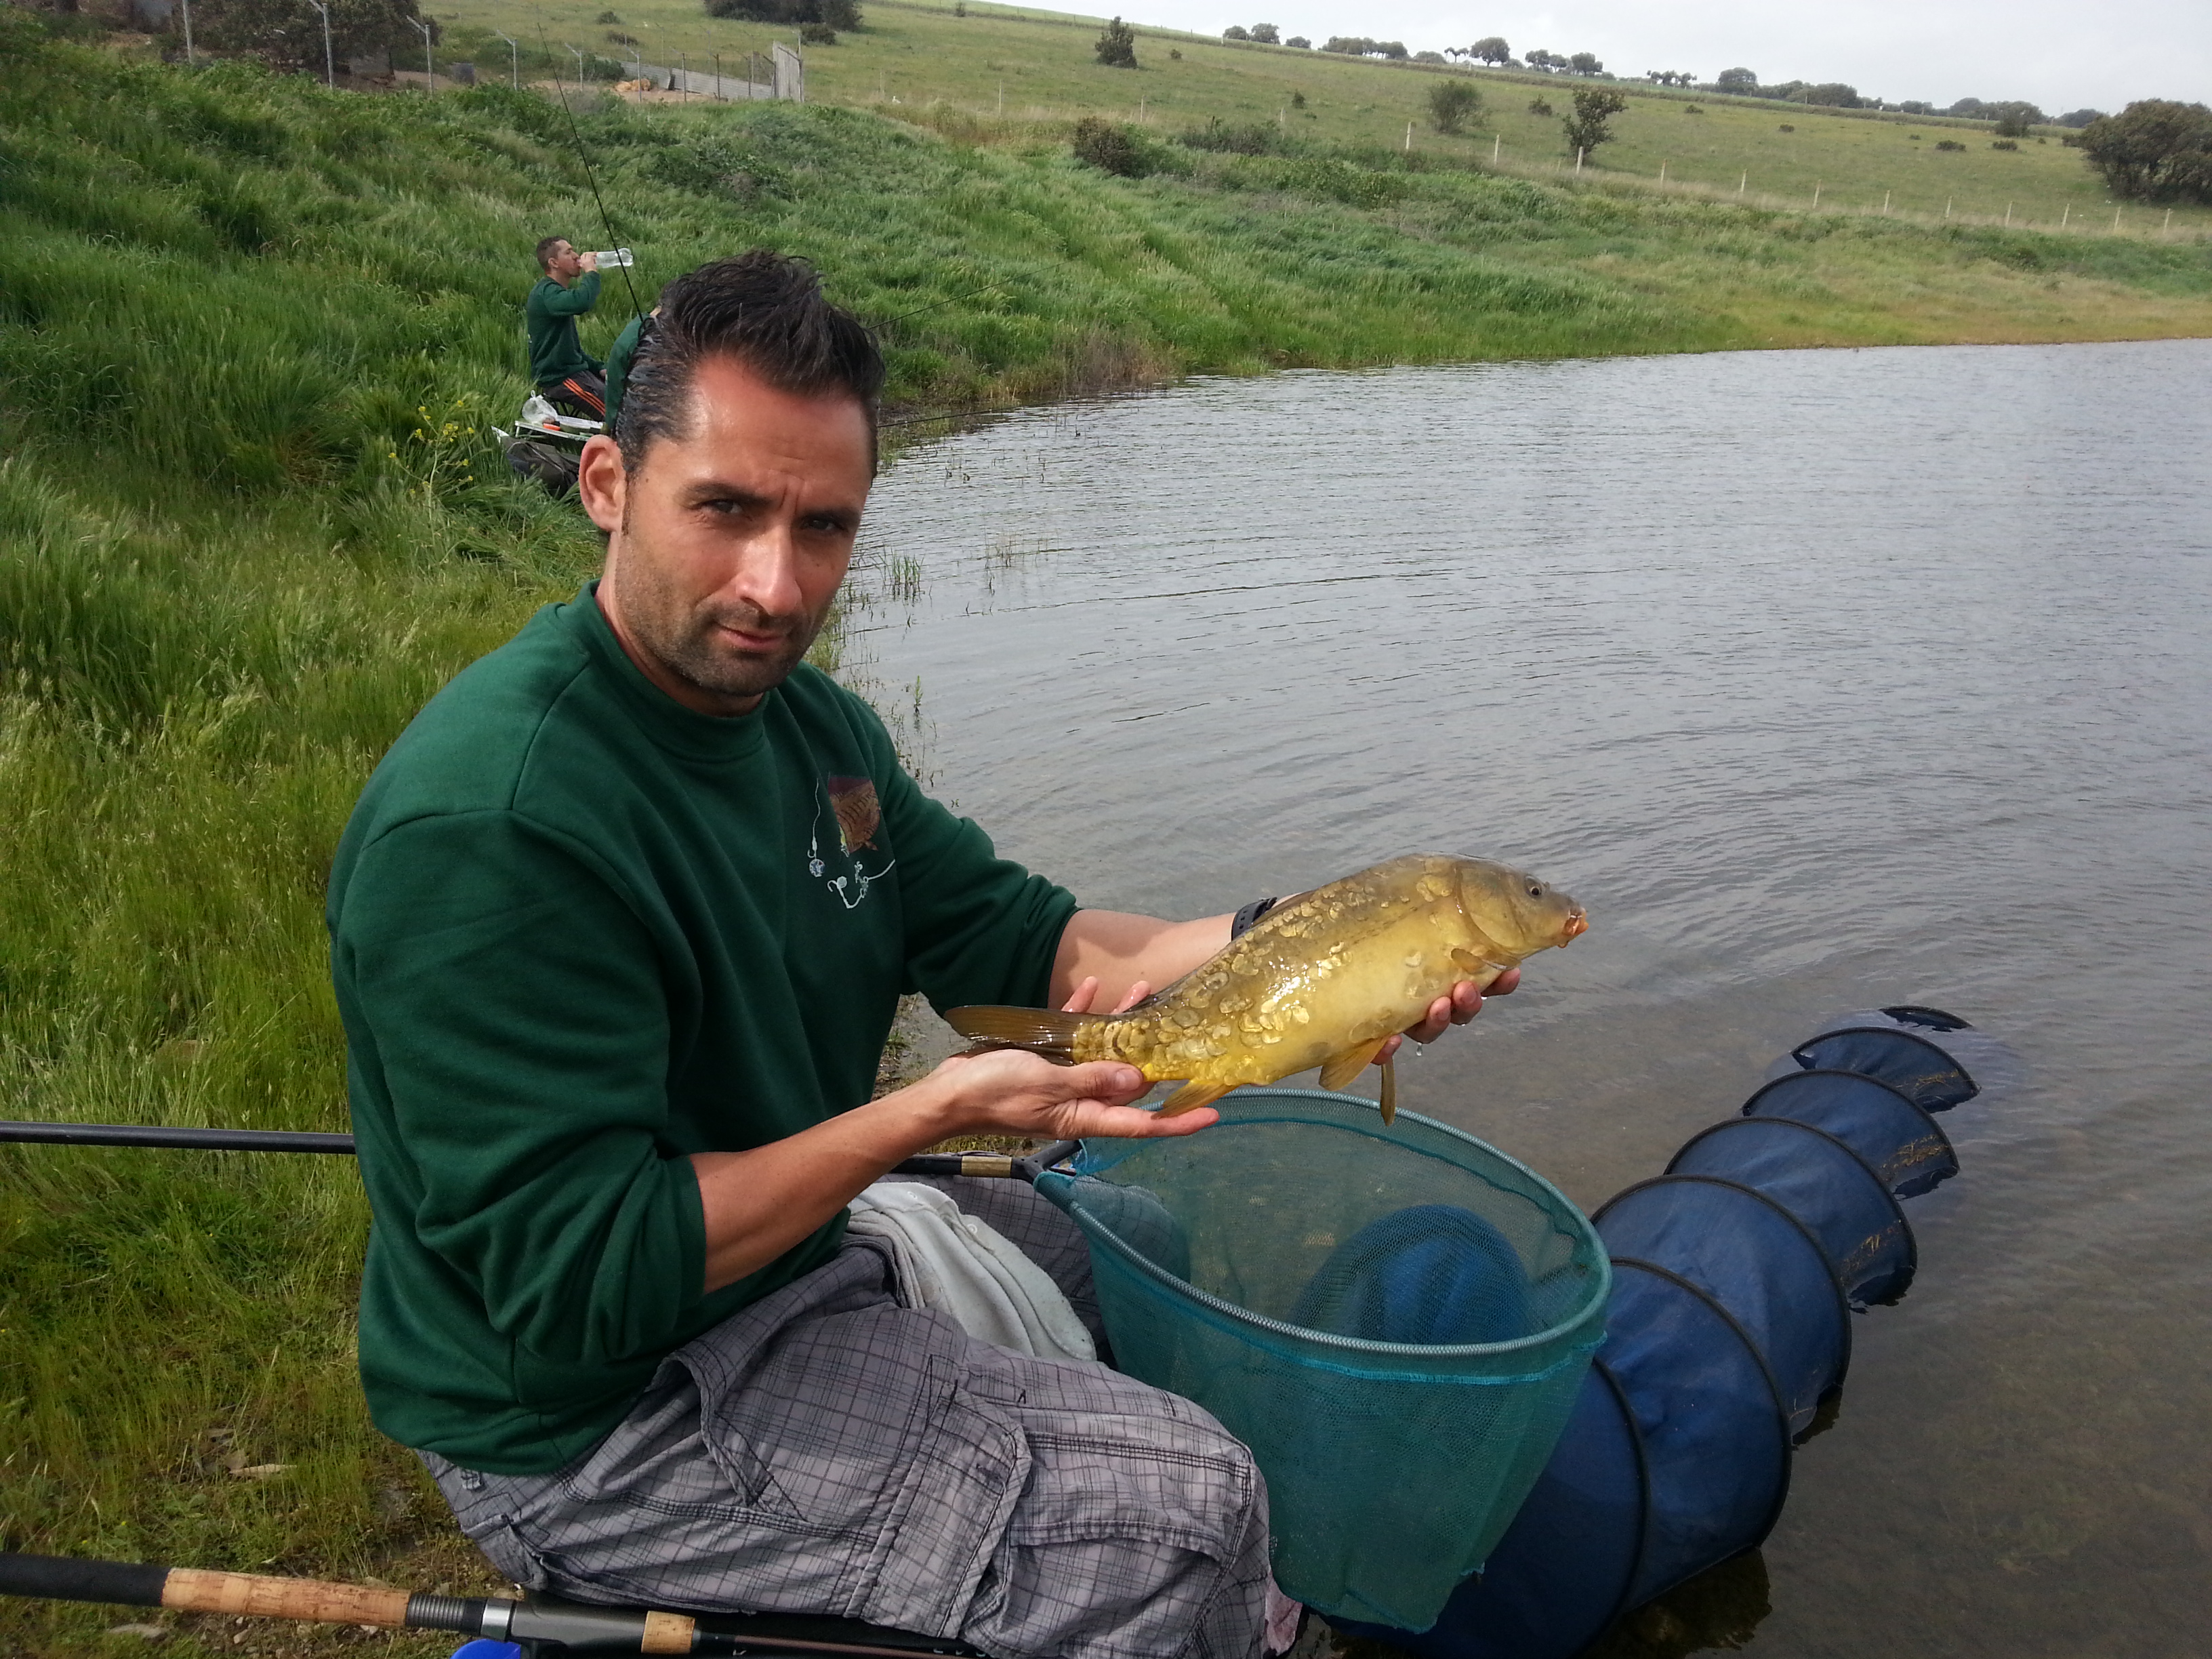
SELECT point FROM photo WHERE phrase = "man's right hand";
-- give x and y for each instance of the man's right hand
(588, 261)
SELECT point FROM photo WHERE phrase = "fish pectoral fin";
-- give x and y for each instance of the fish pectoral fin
(1349, 1064)
(1389, 1091)
(1191, 1096)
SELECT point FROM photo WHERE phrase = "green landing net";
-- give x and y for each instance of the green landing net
(1395, 1320)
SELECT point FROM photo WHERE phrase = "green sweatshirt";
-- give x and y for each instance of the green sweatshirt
(549, 315)
(578, 931)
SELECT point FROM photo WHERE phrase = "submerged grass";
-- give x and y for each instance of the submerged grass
(252, 335)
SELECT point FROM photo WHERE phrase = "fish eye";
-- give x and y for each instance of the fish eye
(1535, 890)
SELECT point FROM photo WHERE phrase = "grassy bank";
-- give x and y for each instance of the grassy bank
(252, 334)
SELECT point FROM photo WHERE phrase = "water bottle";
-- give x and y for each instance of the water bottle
(612, 257)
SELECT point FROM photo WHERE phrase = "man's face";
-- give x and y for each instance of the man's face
(727, 546)
(564, 264)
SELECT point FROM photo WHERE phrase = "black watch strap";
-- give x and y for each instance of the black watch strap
(1241, 923)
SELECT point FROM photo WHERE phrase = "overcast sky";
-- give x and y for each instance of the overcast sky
(2062, 54)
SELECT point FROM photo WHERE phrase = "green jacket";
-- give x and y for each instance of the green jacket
(618, 357)
(549, 315)
(578, 931)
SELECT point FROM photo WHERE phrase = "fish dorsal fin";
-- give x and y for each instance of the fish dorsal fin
(1191, 1096)
(1349, 1064)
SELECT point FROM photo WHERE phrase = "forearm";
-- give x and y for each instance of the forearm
(758, 1204)
(1118, 949)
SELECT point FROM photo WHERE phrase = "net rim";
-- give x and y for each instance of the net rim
(1579, 1226)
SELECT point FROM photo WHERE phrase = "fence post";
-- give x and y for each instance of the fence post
(1496, 142)
(2007, 216)
(1662, 172)
(1741, 182)
(1409, 137)
(1816, 192)
(2064, 214)
(1885, 203)
(2115, 221)
(1581, 151)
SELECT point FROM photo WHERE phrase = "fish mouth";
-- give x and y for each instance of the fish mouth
(1577, 926)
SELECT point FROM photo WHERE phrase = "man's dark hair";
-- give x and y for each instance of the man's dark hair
(545, 246)
(768, 311)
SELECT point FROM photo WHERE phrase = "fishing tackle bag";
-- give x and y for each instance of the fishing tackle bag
(1396, 1321)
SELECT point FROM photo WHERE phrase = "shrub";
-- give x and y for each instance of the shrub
(1949, 144)
(1111, 147)
(1175, 53)
(606, 17)
(1117, 46)
(1786, 127)
(1693, 109)
(2004, 144)
(833, 14)
(617, 37)
(1452, 105)
(1298, 101)
(1539, 107)
(1224, 138)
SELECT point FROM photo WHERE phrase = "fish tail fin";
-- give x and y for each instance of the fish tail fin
(1044, 1031)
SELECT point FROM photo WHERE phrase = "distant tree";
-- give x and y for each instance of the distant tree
(2156, 150)
(1453, 104)
(1117, 46)
(1492, 49)
(1828, 94)
(1544, 60)
(1300, 42)
(1591, 124)
(1586, 62)
(2014, 118)
(1267, 35)
(1298, 101)
(816, 35)
(2078, 118)
(1236, 32)
(1967, 109)
(1913, 107)
(1742, 82)
(1351, 45)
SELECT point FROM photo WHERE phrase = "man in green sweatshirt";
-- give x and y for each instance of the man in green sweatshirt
(564, 375)
(619, 928)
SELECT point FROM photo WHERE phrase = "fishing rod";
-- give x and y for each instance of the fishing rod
(1002, 1166)
(636, 311)
(539, 1624)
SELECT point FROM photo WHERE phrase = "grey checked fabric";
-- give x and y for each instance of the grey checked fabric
(826, 1451)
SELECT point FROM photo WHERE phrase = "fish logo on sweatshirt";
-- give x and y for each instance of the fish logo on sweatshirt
(858, 813)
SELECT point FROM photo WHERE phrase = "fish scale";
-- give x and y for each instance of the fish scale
(1322, 980)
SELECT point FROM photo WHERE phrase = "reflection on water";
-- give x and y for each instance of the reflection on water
(1826, 680)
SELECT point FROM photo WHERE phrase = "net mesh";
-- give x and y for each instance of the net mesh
(1396, 1321)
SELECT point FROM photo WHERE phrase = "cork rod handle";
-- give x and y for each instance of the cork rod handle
(191, 1590)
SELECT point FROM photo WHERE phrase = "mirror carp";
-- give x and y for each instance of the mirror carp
(1324, 979)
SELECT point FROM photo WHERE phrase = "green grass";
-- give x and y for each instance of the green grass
(251, 335)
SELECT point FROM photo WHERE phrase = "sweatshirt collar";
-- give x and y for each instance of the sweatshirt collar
(681, 731)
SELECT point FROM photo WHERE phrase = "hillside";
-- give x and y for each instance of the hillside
(253, 334)
(1042, 62)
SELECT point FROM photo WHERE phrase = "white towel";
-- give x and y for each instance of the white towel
(948, 1260)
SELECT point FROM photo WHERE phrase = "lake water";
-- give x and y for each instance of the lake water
(1826, 680)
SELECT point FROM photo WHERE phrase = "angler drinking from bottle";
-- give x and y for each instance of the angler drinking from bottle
(563, 373)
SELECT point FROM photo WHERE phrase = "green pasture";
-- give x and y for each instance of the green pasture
(252, 337)
(1034, 67)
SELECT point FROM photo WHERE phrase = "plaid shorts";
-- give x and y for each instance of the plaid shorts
(826, 1451)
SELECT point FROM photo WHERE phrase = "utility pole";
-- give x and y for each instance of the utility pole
(514, 61)
(684, 62)
(430, 64)
(188, 34)
(578, 56)
(330, 73)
